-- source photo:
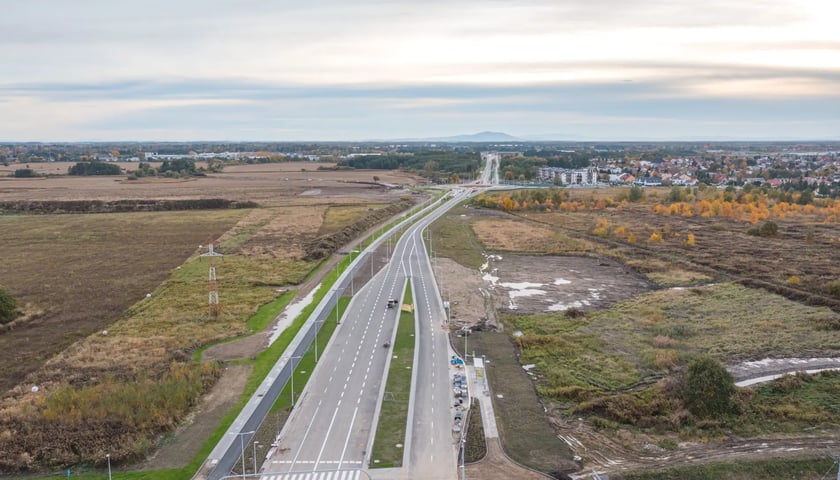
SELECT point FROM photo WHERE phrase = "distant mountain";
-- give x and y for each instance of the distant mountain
(481, 137)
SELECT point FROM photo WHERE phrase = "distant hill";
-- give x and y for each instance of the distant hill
(481, 137)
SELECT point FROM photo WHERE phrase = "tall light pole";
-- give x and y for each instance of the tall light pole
(255, 457)
(317, 329)
(108, 457)
(241, 436)
(292, 377)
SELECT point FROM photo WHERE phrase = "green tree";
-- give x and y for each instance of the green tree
(8, 307)
(636, 194)
(25, 173)
(94, 168)
(769, 229)
(708, 388)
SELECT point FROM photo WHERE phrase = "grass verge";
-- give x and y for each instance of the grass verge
(526, 435)
(261, 366)
(793, 468)
(393, 417)
(476, 446)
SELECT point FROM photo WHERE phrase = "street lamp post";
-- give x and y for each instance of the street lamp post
(255, 457)
(317, 329)
(292, 377)
(108, 457)
(241, 436)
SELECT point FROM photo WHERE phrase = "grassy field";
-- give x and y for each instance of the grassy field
(146, 356)
(340, 216)
(820, 468)
(280, 411)
(393, 417)
(619, 369)
(456, 239)
(526, 434)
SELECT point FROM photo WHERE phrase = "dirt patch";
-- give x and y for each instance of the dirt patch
(470, 301)
(179, 448)
(529, 284)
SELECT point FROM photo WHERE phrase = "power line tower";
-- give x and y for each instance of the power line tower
(212, 287)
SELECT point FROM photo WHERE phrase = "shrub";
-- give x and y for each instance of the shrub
(708, 388)
(25, 173)
(769, 229)
(94, 168)
(793, 280)
(8, 307)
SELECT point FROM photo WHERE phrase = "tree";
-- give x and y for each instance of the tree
(636, 193)
(454, 178)
(708, 388)
(376, 178)
(8, 307)
(94, 168)
(25, 173)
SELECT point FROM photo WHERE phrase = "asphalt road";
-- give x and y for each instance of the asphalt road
(329, 431)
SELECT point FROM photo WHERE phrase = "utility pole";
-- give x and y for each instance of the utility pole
(212, 287)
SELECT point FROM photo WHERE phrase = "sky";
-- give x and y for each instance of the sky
(292, 70)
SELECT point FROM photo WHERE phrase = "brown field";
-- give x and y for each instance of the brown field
(270, 184)
(76, 275)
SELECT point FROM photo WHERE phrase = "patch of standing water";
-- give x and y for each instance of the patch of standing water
(562, 307)
(290, 313)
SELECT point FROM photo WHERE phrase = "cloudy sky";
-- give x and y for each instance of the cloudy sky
(375, 69)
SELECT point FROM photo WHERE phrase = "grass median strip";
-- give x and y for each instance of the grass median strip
(393, 417)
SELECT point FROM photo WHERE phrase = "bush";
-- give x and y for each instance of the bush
(8, 307)
(636, 194)
(25, 173)
(769, 229)
(708, 388)
(94, 168)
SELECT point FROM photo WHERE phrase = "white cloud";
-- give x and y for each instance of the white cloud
(762, 49)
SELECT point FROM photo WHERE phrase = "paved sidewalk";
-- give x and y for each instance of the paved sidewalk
(480, 390)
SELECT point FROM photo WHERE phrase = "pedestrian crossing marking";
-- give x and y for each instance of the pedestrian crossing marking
(327, 475)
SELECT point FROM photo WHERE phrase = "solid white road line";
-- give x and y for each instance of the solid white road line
(347, 440)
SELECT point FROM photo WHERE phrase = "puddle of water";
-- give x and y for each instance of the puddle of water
(525, 293)
(521, 285)
(562, 307)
